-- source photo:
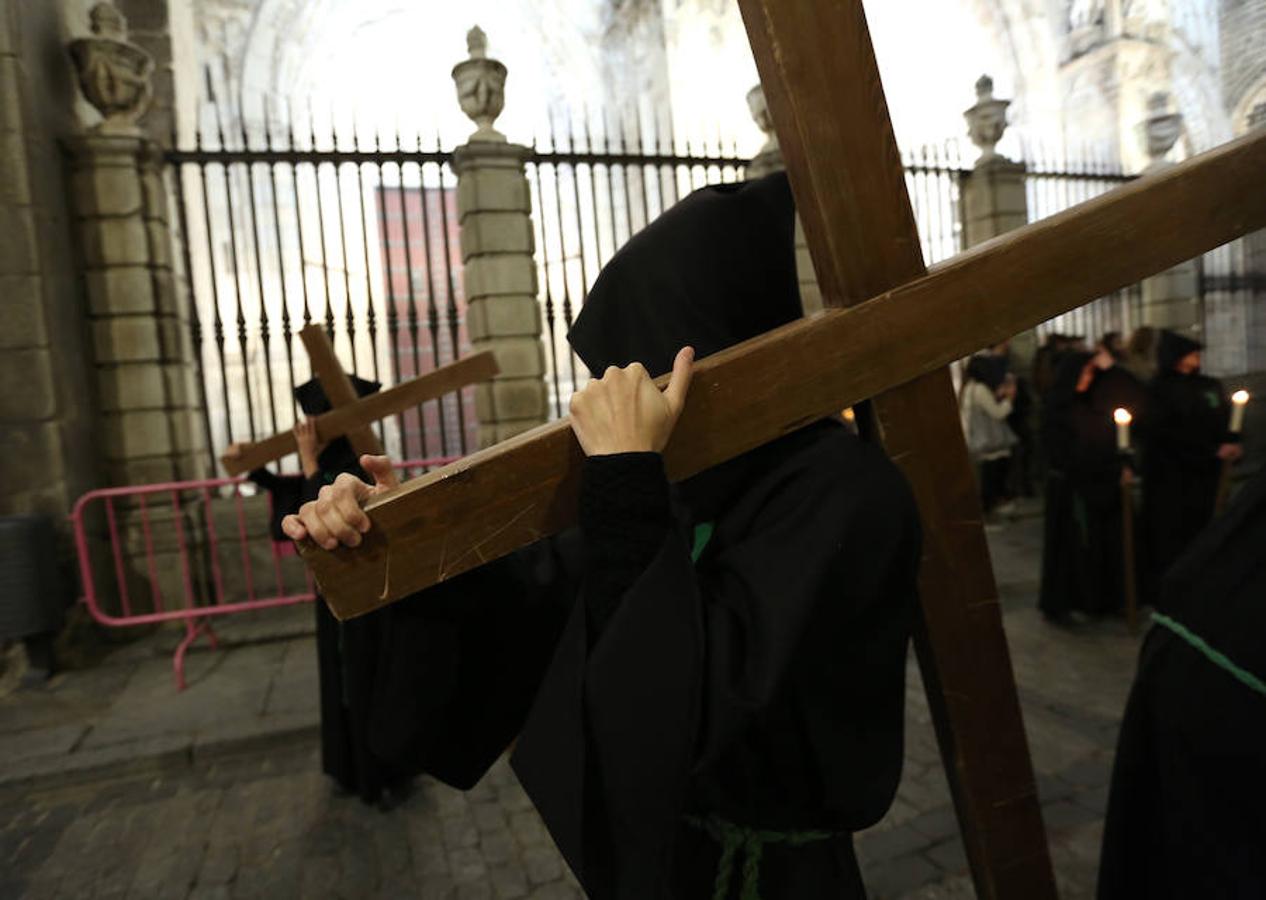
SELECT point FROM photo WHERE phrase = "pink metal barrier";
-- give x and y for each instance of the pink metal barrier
(202, 568)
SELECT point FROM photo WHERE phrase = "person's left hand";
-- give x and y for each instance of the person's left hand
(306, 437)
(624, 412)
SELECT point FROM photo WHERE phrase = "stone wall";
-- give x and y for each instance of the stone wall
(47, 438)
(1243, 34)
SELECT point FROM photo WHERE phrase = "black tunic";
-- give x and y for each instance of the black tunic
(1082, 556)
(761, 686)
(351, 675)
(353, 664)
(1186, 422)
(1185, 811)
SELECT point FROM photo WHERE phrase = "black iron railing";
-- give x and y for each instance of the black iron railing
(281, 230)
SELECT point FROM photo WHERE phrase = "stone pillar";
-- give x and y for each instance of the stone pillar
(993, 193)
(494, 208)
(1171, 299)
(46, 413)
(142, 350)
(143, 374)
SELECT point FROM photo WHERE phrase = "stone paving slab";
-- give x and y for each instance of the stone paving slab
(258, 689)
(231, 804)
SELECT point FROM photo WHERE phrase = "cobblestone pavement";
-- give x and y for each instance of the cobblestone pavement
(267, 824)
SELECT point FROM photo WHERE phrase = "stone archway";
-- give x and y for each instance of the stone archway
(387, 62)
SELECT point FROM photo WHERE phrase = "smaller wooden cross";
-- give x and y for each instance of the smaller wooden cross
(350, 416)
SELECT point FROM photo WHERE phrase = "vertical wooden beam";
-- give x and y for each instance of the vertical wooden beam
(337, 386)
(822, 85)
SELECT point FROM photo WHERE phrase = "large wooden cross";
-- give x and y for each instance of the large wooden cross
(824, 93)
(350, 416)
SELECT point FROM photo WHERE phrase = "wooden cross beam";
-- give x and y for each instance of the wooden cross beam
(336, 385)
(827, 104)
(499, 499)
(353, 418)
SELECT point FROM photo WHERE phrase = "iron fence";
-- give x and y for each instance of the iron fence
(1234, 323)
(594, 185)
(1052, 186)
(281, 229)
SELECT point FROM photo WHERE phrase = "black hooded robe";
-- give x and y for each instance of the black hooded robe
(1185, 808)
(733, 661)
(1187, 421)
(351, 672)
(1082, 551)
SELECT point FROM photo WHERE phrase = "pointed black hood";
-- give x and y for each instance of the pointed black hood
(337, 456)
(1173, 347)
(715, 270)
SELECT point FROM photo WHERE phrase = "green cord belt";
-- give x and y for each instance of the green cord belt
(751, 841)
(1221, 660)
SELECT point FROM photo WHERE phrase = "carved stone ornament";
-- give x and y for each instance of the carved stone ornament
(1161, 129)
(1085, 14)
(769, 157)
(1086, 22)
(481, 86)
(987, 120)
(114, 74)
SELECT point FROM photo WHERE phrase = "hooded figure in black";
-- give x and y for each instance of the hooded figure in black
(1189, 784)
(1082, 558)
(349, 654)
(289, 492)
(706, 679)
(1187, 423)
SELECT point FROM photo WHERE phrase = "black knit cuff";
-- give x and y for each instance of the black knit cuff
(624, 516)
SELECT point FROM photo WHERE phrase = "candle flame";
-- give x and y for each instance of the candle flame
(1239, 398)
(849, 415)
(1122, 417)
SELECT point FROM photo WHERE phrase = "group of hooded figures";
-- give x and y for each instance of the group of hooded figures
(703, 682)
(1180, 441)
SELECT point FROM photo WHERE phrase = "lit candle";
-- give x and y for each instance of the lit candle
(1123, 419)
(1239, 400)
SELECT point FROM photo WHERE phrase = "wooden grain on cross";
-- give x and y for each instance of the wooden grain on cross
(499, 499)
(337, 386)
(342, 420)
(824, 94)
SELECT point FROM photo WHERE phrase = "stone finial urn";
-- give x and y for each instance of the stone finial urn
(769, 157)
(114, 74)
(1161, 128)
(481, 86)
(987, 120)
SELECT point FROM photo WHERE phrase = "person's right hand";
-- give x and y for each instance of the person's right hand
(1231, 452)
(336, 516)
